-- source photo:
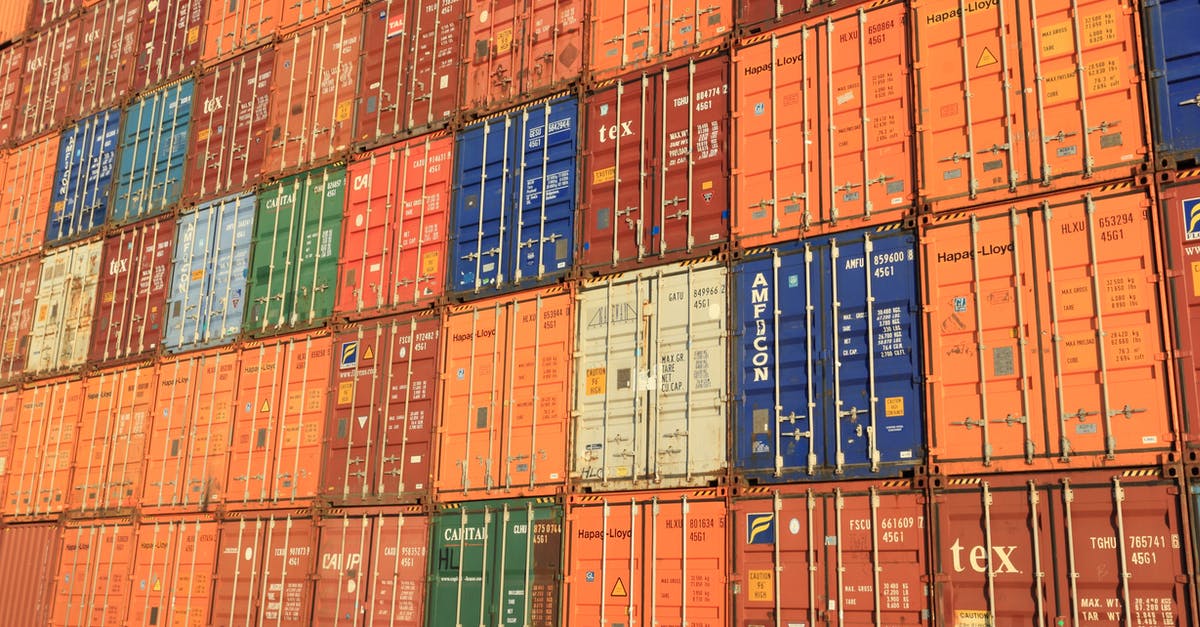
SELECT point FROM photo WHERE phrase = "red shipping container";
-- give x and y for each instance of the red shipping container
(1078, 548)
(45, 11)
(111, 452)
(316, 82)
(1179, 204)
(278, 428)
(18, 302)
(630, 35)
(131, 305)
(187, 457)
(173, 571)
(519, 49)
(39, 480)
(94, 569)
(265, 569)
(47, 89)
(846, 553)
(822, 133)
(372, 568)
(169, 43)
(657, 155)
(12, 74)
(29, 561)
(755, 16)
(10, 414)
(385, 404)
(26, 184)
(229, 126)
(231, 28)
(109, 34)
(412, 55)
(394, 234)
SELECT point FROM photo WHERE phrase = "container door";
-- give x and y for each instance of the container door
(462, 567)
(265, 572)
(18, 302)
(253, 451)
(109, 459)
(483, 206)
(66, 302)
(304, 401)
(29, 556)
(133, 292)
(79, 204)
(169, 43)
(172, 573)
(408, 410)
(542, 228)
(343, 570)
(399, 556)
(153, 152)
(25, 193)
(93, 575)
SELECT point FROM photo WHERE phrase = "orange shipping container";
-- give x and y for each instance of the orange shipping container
(519, 49)
(10, 413)
(279, 421)
(232, 27)
(40, 476)
(627, 36)
(647, 558)
(94, 570)
(506, 377)
(1012, 99)
(822, 126)
(187, 456)
(29, 563)
(18, 301)
(265, 569)
(14, 17)
(1046, 346)
(26, 183)
(172, 571)
(111, 452)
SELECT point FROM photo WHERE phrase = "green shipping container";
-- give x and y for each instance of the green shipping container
(496, 563)
(297, 240)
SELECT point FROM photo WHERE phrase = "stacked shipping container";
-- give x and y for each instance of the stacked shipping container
(341, 312)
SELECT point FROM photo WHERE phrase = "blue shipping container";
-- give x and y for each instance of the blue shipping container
(514, 205)
(827, 371)
(208, 281)
(154, 145)
(1173, 49)
(83, 177)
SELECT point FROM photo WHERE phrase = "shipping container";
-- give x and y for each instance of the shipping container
(83, 178)
(1179, 206)
(647, 558)
(12, 75)
(756, 16)
(412, 55)
(14, 19)
(172, 572)
(110, 453)
(379, 435)
(825, 338)
(234, 27)
(43, 12)
(1044, 334)
(10, 416)
(1171, 66)
(1078, 548)
(496, 563)
(208, 280)
(47, 87)
(169, 43)
(18, 303)
(277, 443)
(316, 82)
(26, 184)
(629, 36)
(66, 303)
(153, 153)
(518, 49)
(505, 396)
(394, 246)
(372, 568)
(94, 570)
(39, 478)
(187, 453)
(658, 419)
(292, 282)
(844, 553)
(515, 199)
(29, 561)
(266, 563)
(822, 126)
(1015, 99)
(109, 33)
(656, 154)
(131, 307)
(229, 136)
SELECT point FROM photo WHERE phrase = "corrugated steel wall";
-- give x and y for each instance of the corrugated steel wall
(567, 312)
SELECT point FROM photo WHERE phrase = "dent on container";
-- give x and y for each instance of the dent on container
(153, 153)
(39, 478)
(66, 304)
(83, 177)
(132, 304)
(26, 184)
(636, 34)
(18, 304)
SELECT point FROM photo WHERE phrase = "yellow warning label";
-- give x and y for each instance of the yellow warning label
(204, 134)
(1058, 38)
(986, 58)
(108, 297)
(193, 35)
(343, 111)
(1196, 278)
(706, 185)
(597, 381)
(604, 175)
(266, 406)
(893, 406)
(972, 618)
(345, 392)
(762, 585)
(197, 274)
(504, 40)
(368, 353)
(619, 589)
(429, 264)
(157, 587)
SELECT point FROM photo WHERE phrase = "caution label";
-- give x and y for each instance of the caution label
(429, 264)
(619, 589)
(597, 381)
(504, 40)
(761, 584)
(986, 58)
(893, 406)
(345, 392)
(972, 618)
(604, 175)
(1196, 278)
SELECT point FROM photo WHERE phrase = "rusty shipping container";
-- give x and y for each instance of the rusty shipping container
(656, 154)
(46, 88)
(379, 437)
(628, 36)
(94, 571)
(822, 126)
(12, 76)
(66, 303)
(169, 43)
(26, 184)
(372, 568)
(110, 454)
(266, 563)
(187, 452)
(1045, 337)
(277, 442)
(650, 379)
(844, 553)
(505, 395)
(131, 306)
(232, 28)
(18, 305)
(1014, 100)
(519, 49)
(172, 575)
(1102, 547)
(109, 33)
(39, 477)
(647, 558)
(29, 561)
(316, 83)
(1179, 206)
(411, 68)
(394, 234)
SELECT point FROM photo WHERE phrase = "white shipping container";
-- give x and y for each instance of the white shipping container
(650, 378)
(66, 300)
